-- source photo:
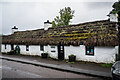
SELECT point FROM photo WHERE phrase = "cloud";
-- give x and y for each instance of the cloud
(97, 5)
(31, 15)
(58, 0)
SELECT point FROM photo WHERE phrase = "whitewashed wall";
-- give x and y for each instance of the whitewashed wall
(105, 54)
(47, 25)
(33, 50)
(14, 30)
(8, 48)
(101, 54)
(49, 50)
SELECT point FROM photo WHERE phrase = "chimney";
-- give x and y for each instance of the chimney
(14, 29)
(47, 25)
(113, 17)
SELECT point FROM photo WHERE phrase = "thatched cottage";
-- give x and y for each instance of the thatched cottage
(91, 41)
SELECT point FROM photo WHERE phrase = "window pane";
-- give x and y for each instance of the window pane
(89, 50)
(52, 46)
(41, 47)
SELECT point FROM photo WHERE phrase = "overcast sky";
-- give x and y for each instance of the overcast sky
(30, 15)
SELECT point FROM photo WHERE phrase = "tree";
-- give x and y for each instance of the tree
(53, 24)
(116, 10)
(66, 15)
(116, 7)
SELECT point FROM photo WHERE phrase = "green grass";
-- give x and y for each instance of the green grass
(107, 65)
(71, 62)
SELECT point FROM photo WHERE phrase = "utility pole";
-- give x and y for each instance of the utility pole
(119, 35)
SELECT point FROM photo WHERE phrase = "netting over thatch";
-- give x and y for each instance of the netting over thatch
(97, 33)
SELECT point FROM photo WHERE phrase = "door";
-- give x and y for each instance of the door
(12, 47)
(61, 52)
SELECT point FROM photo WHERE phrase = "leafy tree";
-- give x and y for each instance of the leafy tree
(53, 24)
(116, 7)
(66, 15)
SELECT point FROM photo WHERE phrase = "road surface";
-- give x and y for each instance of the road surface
(11, 69)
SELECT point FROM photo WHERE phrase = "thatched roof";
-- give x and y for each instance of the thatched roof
(97, 33)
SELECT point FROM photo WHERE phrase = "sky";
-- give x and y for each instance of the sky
(31, 14)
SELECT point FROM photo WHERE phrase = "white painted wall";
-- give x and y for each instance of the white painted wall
(14, 30)
(33, 50)
(47, 25)
(79, 51)
(8, 48)
(105, 54)
(101, 54)
(51, 54)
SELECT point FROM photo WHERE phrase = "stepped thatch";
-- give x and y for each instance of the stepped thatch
(97, 33)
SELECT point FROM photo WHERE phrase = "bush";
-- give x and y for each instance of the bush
(72, 55)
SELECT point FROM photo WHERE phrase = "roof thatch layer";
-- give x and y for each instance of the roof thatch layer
(97, 33)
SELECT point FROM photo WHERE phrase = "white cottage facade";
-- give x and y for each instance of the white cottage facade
(90, 49)
(101, 54)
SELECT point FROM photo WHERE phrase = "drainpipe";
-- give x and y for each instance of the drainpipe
(119, 35)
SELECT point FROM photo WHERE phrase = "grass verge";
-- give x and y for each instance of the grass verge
(107, 65)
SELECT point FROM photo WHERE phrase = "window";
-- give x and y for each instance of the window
(52, 51)
(52, 46)
(5, 46)
(89, 50)
(27, 48)
(41, 47)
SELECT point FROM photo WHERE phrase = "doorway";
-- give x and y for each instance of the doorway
(61, 52)
(12, 47)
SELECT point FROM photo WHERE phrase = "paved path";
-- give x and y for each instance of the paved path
(62, 67)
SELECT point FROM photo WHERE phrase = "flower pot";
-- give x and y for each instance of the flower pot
(44, 55)
(72, 58)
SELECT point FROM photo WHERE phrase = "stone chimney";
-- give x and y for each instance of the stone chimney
(47, 25)
(14, 29)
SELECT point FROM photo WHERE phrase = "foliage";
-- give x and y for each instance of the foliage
(107, 65)
(72, 55)
(71, 62)
(116, 7)
(66, 15)
(53, 24)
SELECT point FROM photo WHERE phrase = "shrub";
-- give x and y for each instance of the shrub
(72, 55)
